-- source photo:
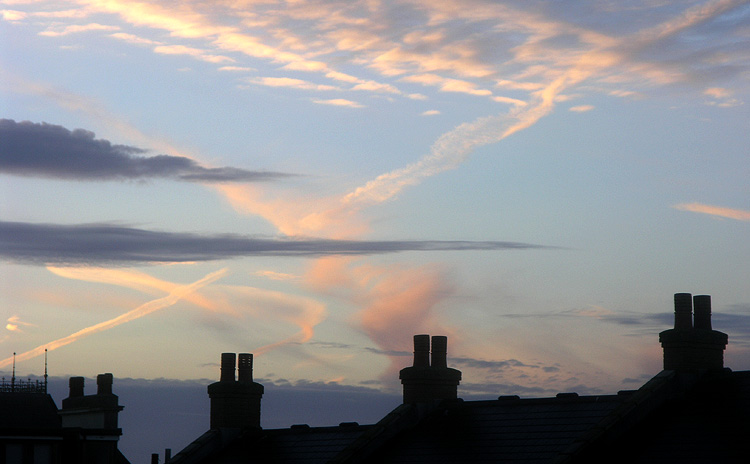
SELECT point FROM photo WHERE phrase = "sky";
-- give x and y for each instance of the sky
(315, 182)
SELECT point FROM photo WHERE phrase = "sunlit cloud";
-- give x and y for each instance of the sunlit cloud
(721, 97)
(236, 302)
(273, 275)
(75, 29)
(289, 83)
(13, 15)
(431, 113)
(143, 310)
(581, 108)
(129, 278)
(339, 102)
(194, 52)
(133, 39)
(272, 306)
(236, 69)
(14, 324)
(396, 300)
(718, 211)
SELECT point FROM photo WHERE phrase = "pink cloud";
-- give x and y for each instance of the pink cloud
(718, 211)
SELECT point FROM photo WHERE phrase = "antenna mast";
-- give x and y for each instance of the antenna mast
(45, 370)
(13, 378)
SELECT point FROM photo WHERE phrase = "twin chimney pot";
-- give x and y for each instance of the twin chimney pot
(693, 345)
(430, 378)
(235, 402)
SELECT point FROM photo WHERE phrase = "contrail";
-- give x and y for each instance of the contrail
(147, 308)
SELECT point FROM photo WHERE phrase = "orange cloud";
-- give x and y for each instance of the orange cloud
(397, 301)
(131, 279)
(718, 211)
(147, 308)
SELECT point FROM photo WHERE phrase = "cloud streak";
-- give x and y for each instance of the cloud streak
(147, 308)
(47, 150)
(718, 211)
(86, 244)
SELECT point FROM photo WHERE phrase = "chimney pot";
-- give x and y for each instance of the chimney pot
(422, 351)
(76, 387)
(245, 368)
(702, 310)
(683, 311)
(104, 384)
(439, 351)
(227, 367)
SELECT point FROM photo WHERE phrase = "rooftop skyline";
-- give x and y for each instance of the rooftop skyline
(315, 182)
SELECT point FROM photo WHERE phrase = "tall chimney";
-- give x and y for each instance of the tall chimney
(235, 403)
(439, 351)
(104, 384)
(421, 351)
(245, 368)
(683, 311)
(75, 384)
(692, 345)
(424, 381)
(227, 367)
(702, 310)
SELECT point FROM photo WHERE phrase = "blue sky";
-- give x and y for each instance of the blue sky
(533, 179)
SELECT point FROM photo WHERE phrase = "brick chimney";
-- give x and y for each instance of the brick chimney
(692, 345)
(235, 403)
(427, 381)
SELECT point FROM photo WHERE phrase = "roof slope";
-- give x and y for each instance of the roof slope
(706, 418)
(28, 411)
(505, 430)
(297, 444)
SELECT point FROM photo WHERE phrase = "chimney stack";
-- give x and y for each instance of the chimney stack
(235, 403)
(424, 381)
(692, 345)
(75, 385)
(98, 411)
(104, 384)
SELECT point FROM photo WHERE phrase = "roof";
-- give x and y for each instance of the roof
(297, 444)
(692, 418)
(675, 417)
(24, 410)
(509, 429)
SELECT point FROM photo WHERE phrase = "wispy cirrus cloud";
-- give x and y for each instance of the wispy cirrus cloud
(47, 150)
(339, 102)
(15, 324)
(581, 108)
(236, 302)
(101, 243)
(78, 28)
(134, 39)
(721, 97)
(147, 308)
(202, 55)
(289, 83)
(718, 211)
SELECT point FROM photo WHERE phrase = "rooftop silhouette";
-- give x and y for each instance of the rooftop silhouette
(694, 411)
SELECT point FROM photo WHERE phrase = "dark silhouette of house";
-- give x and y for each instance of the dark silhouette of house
(84, 431)
(694, 411)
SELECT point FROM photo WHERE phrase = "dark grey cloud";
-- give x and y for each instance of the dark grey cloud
(106, 243)
(52, 151)
(491, 365)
